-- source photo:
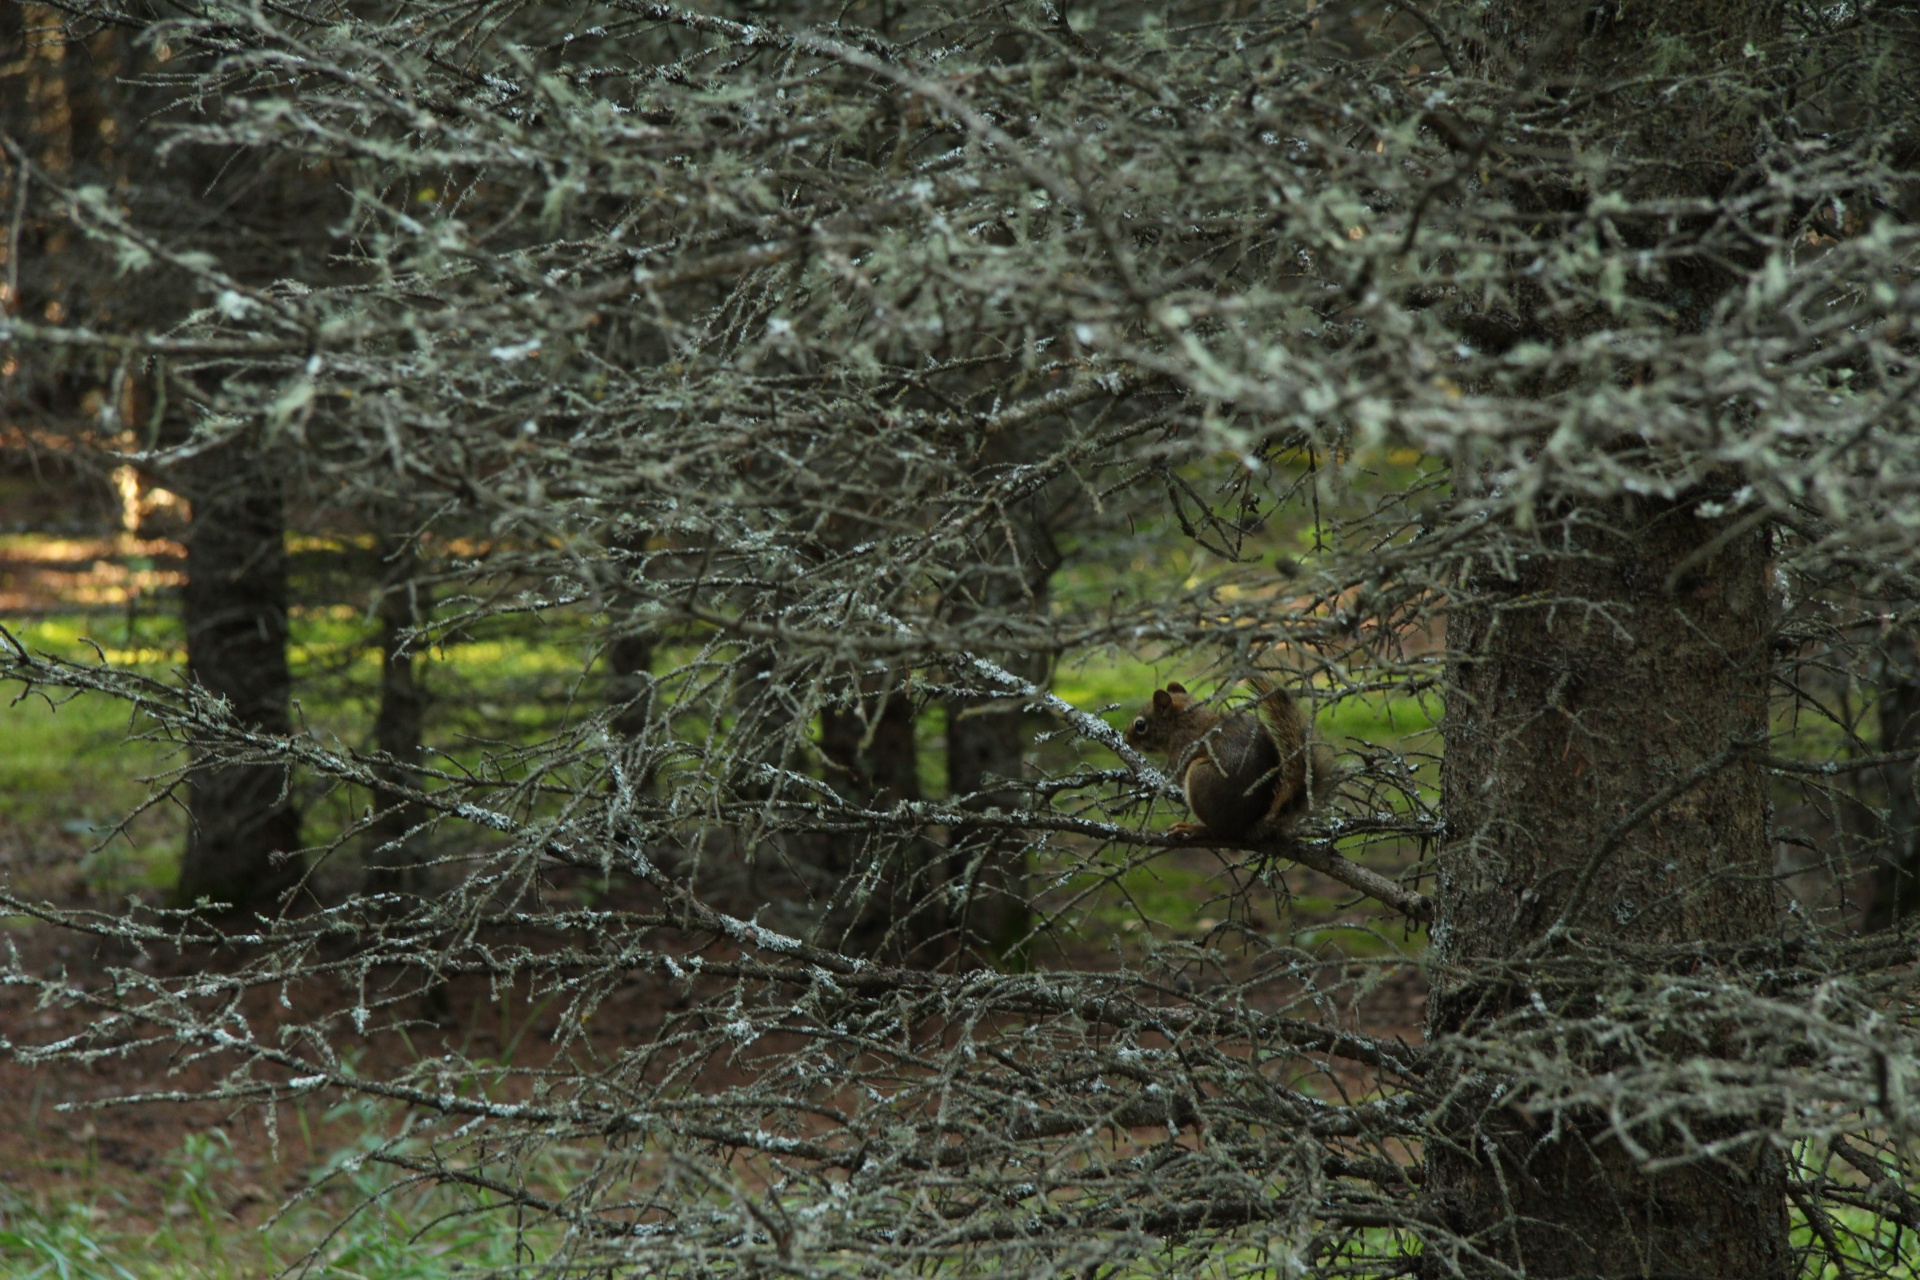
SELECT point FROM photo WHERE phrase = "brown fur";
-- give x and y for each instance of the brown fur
(1246, 775)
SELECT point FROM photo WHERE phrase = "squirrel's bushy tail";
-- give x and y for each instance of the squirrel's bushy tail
(1308, 760)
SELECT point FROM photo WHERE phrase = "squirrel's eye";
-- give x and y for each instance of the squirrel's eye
(1139, 724)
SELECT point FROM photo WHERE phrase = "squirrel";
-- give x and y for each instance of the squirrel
(1247, 774)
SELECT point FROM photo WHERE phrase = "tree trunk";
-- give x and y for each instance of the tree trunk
(987, 740)
(1606, 719)
(395, 853)
(987, 867)
(630, 683)
(1009, 579)
(242, 817)
(873, 756)
(873, 749)
(630, 669)
(1563, 721)
(1894, 895)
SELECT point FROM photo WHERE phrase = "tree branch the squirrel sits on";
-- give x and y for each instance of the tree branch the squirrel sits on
(1248, 774)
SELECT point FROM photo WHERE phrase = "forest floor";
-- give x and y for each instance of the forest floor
(194, 1174)
(138, 1160)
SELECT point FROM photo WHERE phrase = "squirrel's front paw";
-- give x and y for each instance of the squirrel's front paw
(1180, 829)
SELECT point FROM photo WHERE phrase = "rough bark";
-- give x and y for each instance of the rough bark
(1585, 687)
(1606, 714)
(244, 832)
(1884, 99)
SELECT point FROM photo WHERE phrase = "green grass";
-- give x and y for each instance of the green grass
(1112, 686)
(68, 772)
(66, 759)
(358, 1229)
(1098, 682)
(71, 766)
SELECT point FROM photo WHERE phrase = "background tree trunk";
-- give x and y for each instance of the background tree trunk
(987, 740)
(1894, 894)
(873, 756)
(235, 603)
(987, 868)
(395, 854)
(630, 667)
(874, 749)
(630, 683)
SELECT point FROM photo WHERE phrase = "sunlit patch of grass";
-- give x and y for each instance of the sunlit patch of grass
(66, 760)
(1127, 684)
(71, 766)
(150, 642)
(1381, 719)
(1168, 892)
(69, 772)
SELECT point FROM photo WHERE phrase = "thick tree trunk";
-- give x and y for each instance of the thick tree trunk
(395, 853)
(1583, 688)
(1606, 720)
(1882, 82)
(244, 831)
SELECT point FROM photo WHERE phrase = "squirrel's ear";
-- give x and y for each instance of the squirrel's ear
(1175, 688)
(1162, 699)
